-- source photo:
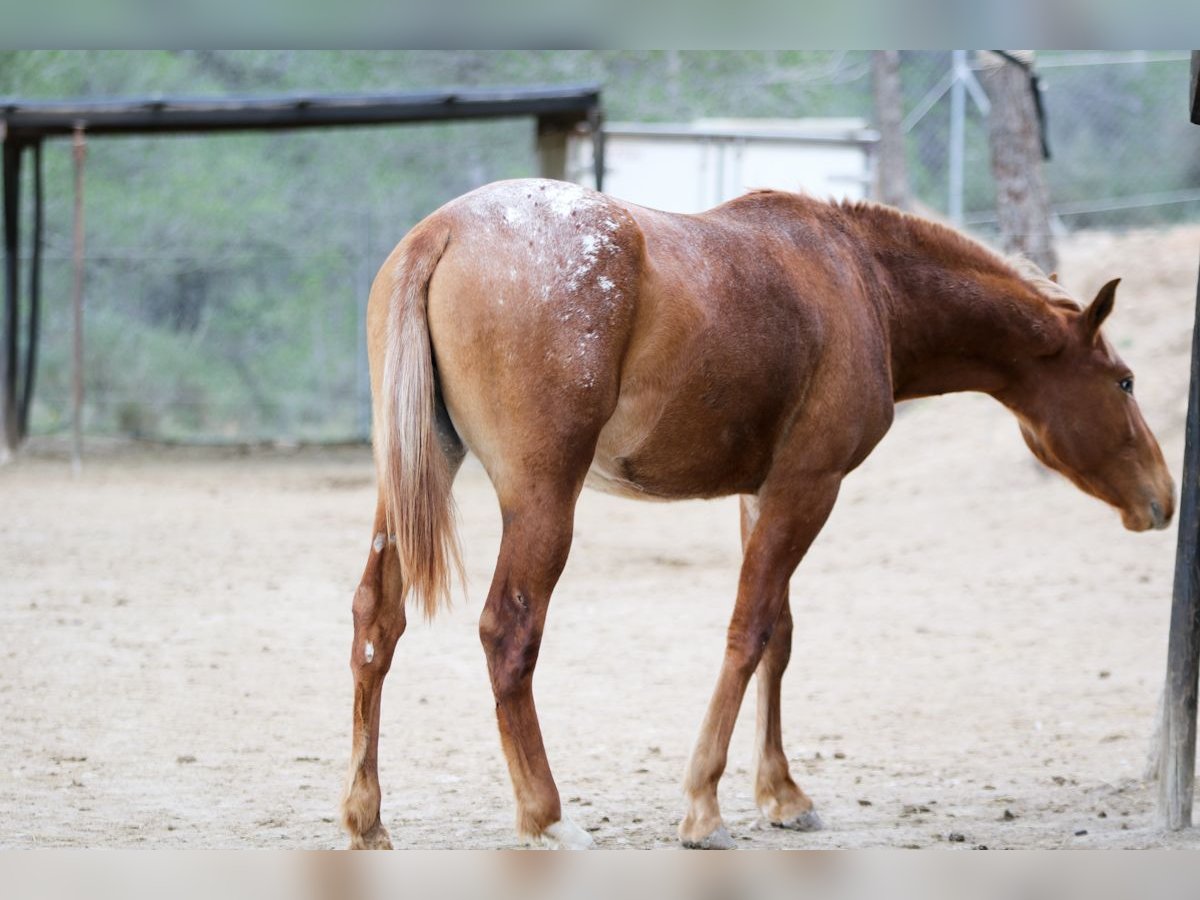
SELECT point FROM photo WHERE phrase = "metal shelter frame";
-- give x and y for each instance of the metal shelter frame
(26, 124)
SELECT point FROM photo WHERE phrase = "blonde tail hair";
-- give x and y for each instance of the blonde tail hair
(414, 473)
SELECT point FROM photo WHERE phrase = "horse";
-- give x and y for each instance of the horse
(567, 338)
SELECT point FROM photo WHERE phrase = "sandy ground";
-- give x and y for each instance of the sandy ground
(979, 647)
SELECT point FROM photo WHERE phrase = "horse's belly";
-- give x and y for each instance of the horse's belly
(649, 478)
(604, 476)
(680, 451)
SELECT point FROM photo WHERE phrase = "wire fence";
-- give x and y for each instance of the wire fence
(227, 276)
(183, 349)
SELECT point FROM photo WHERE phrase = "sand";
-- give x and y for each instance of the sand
(978, 656)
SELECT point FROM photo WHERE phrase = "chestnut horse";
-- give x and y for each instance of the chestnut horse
(759, 349)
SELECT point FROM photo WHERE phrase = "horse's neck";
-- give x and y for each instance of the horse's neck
(959, 321)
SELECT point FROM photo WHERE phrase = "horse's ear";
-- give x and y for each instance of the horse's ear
(1054, 277)
(1094, 315)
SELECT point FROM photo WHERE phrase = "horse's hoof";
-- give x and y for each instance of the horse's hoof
(374, 838)
(718, 840)
(806, 821)
(566, 835)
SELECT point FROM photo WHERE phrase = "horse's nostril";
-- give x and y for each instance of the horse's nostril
(1156, 515)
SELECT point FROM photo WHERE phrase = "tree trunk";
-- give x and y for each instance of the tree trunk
(1022, 202)
(891, 171)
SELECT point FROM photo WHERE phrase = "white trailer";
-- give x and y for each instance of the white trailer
(693, 167)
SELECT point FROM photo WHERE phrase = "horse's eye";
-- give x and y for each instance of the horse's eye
(1126, 384)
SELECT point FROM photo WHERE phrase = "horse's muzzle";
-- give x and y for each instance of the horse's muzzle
(1150, 514)
(1159, 518)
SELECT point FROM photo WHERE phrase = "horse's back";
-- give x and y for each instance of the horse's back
(667, 349)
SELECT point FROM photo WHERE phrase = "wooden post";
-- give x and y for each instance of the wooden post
(891, 170)
(552, 150)
(80, 154)
(1177, 757)
(1022, 201)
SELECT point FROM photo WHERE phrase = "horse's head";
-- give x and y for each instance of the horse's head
(1078, 415)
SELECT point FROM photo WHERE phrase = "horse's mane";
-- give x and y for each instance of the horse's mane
(1054, 293)
(921, 232)
(928, 237)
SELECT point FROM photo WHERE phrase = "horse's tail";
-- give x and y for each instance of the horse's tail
(414, 473)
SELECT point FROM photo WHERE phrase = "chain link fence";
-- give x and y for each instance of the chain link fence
(186, 349)
(227, 276)
(239, 314)
(1123, 153)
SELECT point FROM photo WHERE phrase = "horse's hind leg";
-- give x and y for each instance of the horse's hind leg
(779, 798)
(538, 522)
(379, 621)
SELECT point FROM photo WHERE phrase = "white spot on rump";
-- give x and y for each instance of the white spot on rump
(564, 198)
(591, 245)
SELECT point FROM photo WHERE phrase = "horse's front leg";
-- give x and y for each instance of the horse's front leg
(789, 519)
(779, 798)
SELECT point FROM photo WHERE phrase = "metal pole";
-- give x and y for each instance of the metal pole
(11, 319)
(596, 122)
(362, 374)
(35, 296)
(958, 111)
(80, 154)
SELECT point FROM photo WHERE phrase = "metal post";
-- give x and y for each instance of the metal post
(80, 154)
(35, 296)
(8, 340)
(958, 113)
(362, 374)
(1177, 758)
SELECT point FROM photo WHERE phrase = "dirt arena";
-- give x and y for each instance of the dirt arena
(979, 648)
